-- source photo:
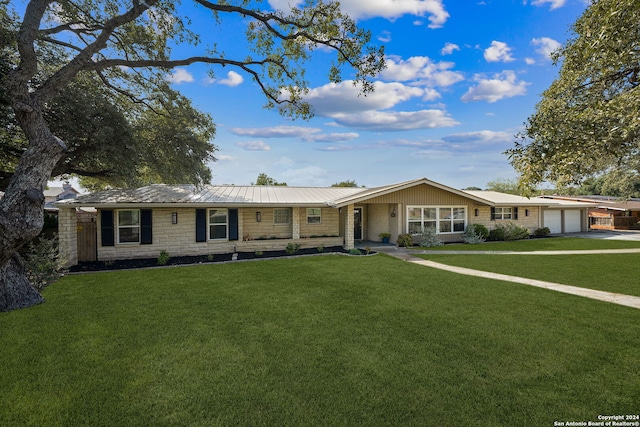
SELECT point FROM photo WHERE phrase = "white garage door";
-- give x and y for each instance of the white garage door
(572, 221)
(553, 221)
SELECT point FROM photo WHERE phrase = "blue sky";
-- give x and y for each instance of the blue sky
(462, 78)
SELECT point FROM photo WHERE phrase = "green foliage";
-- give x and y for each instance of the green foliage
(264, 179)
(586, 122)
(471, 236)
(320, 248)
(43, 262)
(345, 184)
(163, 258)
(542, 232)
(480, 230)
(508, 231)
(405, 240)
(259, 253)
(292, 248)
(355, 251)
(501, 185)
(429, 238)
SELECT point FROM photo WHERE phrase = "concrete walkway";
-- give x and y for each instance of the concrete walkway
(621, 299)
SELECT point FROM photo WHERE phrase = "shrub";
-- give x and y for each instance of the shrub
(292, 248)
(43, 262)
(259, 253)
(163, 258)
(405, 240)
(320, 248)
(508, 231)
(480, 230)
(429, 238)
(472, 236)
(542, 232)
(355, 251)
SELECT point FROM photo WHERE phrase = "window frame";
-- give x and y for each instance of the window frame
(311, 215)
(133, 226)
(500, 213)
(218, 224)
(275, 216)
(434, 217)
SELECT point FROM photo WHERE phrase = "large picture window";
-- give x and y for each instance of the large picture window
(129, 226)
(442, 219)
(218, 224)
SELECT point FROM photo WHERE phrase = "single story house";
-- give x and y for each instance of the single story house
(611, 213)
(190, 220)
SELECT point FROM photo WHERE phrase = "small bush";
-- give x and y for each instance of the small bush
(480, 230)
(405, 240)
(292, 248)
(472, 236)
(259, 253)
(508, 231)
(542, 232)
(320, 248)
(43, 262)
(163, 258)
(355, 251)
(429, 238)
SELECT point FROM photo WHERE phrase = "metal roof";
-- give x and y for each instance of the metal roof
(227, 195)
(504, 199)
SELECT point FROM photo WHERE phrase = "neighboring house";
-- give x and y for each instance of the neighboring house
(610, 213)
(190, 220)
(56, 194)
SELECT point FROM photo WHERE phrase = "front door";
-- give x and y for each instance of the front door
(357, 223)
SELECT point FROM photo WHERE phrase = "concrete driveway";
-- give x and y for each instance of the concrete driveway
(608, 234)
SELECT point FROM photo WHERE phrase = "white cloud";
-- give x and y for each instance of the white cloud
(529, 61)
(390, 9)
(554, 3)
(390, 121)
(221, 157)
(481, 136)
(545, 46)
(502, 85)
(498, 52)
(309, 175)
(253, 146)
(449, 48)
(275, 132)
(385, 37)
(233, 79)
(331, 137)
(344, 97)
(421, 68)
(180, 75)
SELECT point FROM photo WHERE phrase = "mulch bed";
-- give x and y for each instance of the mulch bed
(125, 264)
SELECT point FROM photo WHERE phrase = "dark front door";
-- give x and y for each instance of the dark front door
(357, 223)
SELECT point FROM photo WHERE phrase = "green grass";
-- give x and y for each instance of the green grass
(548, 244)
(606, 272)
(321, 341)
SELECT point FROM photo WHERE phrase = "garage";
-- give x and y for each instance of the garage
(572, 221)
(553, 221)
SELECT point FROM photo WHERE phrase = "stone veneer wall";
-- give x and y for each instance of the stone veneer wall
(179, 239)
(68, 236)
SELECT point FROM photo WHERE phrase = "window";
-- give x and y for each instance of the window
(282, 216)
(218, 224)
(129, 226)
(442, 219)
(503, 213)
(314, 215)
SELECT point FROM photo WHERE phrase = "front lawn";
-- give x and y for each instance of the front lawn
(545, 244)
(325, 341)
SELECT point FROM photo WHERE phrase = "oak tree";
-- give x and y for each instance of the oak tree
(130, 46)
(588, 120)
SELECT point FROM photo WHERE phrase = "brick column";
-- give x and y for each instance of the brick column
(68, 236)
(349, 242)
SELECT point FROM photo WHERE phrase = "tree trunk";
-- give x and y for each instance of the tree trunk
(15, 289)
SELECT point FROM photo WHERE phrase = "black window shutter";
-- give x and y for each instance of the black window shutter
(233, 224)
(493, 214)
(146, 229)
(106, 227)
(515, 213)
(201, 225)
